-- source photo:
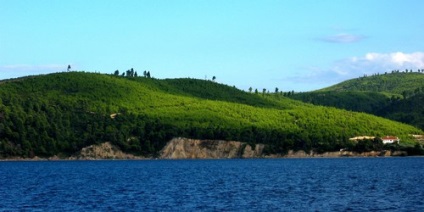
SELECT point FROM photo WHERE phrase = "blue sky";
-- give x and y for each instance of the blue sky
(298, 45)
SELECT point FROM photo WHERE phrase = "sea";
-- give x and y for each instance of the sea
(307, 184)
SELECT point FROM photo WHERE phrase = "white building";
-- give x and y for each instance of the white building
(390, 139)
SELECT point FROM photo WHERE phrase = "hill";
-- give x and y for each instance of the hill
(396, 83)
(397, 96)
(59, 114)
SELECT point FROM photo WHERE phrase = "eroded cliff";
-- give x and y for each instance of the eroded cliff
(102, 151)
(184, 148)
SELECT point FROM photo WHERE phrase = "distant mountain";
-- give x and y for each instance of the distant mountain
(59, 114)
(397, 96)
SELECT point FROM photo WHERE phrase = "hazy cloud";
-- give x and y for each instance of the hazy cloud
(343, 38)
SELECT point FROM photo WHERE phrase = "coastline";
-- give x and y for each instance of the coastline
(291, 155)
(184, 148)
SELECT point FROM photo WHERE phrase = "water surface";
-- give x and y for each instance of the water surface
(336, 184)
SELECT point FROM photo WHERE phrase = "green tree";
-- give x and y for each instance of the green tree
(131, 72)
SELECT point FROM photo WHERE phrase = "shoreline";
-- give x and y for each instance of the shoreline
(291, 155)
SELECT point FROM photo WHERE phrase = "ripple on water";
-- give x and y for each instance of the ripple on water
(345, 184)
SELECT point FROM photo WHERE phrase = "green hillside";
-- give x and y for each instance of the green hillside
(396, 96)
(396, 83)
(409, 110)
(58, 114)
(367, 102)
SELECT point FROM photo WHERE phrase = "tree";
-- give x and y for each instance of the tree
(276, 90)
(213, 78)
(256, 91)
(132, 72)
(135, 74)
(263, 91)
(148, 74)
(116, 73)
(250, 89)
(69, 67)
(145, 73)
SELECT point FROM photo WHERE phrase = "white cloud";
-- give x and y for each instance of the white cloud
(19, 70)
(343, 38)
(397, 59)
(349, 68)
(373, 62)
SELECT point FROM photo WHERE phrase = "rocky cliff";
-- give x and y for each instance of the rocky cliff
(184, 148)
(102, 151)
(312, 154)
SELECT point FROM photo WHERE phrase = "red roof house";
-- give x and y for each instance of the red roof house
(390, 139)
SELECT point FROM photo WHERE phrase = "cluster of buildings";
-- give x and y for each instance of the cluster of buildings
(386, 139)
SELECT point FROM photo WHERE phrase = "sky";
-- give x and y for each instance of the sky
(300, 45)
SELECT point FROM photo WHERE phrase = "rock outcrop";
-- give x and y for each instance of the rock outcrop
(312, 154)
(184, 148)
(102, 151)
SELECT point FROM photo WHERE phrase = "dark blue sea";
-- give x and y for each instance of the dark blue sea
(338, 184)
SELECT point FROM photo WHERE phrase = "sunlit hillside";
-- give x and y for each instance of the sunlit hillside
(60, 113)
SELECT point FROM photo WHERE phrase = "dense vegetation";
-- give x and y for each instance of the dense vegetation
(58, 114)
(367, 102)
(397, 96)
(409, 110)
(400, 83)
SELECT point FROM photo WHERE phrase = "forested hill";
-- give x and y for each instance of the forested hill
(397, 96)
(58, 114)
(400, 83)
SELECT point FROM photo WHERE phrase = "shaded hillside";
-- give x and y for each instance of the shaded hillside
(59, 114)
(409, 110)
(395, 96)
